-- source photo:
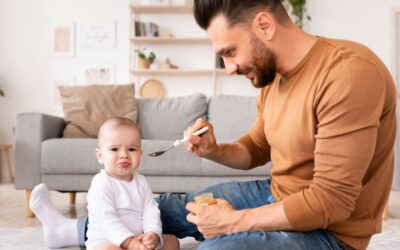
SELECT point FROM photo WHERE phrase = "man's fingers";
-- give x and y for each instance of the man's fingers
(193, 207)
(192, 218)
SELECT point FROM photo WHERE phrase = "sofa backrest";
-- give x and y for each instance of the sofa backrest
(231, 116)
(167, 118)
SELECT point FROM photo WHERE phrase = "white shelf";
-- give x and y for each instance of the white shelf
(176, 72)
(169, 41)
(184, 9)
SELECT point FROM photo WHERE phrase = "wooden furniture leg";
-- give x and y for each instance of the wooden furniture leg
(72, 198)
(29, 212)
(5, 151)
(8, 158)
(385, 212)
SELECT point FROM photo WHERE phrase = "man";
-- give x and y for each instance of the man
(326, 120)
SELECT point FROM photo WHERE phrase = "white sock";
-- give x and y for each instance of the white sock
(58, 230)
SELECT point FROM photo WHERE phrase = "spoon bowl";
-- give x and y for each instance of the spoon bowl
(158, 153)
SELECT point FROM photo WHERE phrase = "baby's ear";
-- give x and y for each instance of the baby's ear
(99, 155)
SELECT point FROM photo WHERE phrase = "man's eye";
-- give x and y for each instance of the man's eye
(229, 53)
(114, 149)
(132, 149)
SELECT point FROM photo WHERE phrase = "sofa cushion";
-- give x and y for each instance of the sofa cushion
(69, 156)
(176, 161)
(167, 118)
(231, 116)
(179, 162)
(86, 108)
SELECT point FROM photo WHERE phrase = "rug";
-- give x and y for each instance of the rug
(31, 238)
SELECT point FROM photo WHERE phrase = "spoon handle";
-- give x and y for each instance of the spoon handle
(198, 132)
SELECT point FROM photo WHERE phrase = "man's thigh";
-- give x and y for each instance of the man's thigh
(317, 239)
(241, 195)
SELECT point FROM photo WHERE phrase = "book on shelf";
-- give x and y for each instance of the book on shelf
(146, 29)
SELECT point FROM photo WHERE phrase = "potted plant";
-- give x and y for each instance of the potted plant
(145, 58)
(1, 92)
(298, 10)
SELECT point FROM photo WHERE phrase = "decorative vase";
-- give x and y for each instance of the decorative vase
(143, 63)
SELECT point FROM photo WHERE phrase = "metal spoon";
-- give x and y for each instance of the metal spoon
(178, 142)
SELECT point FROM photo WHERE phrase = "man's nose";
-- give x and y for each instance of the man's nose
(230, 67)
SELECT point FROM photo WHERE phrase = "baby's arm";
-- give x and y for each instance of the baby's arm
(151, 213)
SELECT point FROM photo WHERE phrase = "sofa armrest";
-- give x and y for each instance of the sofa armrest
(31, 130)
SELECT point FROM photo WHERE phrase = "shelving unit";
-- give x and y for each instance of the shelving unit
(177, 72)
(139, 42)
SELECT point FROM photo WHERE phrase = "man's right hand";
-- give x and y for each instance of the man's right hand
(204, 145)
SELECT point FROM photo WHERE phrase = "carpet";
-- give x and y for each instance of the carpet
(31, 238)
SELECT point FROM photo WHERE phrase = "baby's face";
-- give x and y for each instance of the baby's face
(120, 152)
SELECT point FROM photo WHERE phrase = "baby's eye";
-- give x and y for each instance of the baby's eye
(132, 149)
(114, 149)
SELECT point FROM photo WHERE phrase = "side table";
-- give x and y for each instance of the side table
(5, 151)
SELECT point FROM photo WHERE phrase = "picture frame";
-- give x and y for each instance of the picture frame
(98, 35)
(98, 74)
(59, 80)
(63, 39)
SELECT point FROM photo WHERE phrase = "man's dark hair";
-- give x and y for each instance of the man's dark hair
(236, 11)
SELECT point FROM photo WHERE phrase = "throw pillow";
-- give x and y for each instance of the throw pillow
(87, 107)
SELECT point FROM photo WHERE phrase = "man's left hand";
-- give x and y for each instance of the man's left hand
(214, 220)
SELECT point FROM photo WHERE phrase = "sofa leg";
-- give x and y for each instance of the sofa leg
(385, 212)
(72, 198)
(29, 212)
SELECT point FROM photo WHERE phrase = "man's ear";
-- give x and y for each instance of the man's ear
(265, 25)
(99, 155)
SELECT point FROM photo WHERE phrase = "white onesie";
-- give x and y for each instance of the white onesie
(119, 209)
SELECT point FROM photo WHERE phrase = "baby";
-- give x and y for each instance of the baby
(122, 211)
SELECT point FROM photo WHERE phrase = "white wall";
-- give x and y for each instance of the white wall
(26, 64)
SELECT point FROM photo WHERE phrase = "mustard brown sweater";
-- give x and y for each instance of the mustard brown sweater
(328, 126)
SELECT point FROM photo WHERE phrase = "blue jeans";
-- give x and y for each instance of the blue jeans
(241, 195)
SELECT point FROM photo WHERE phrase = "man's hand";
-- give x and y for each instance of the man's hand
(214, 220)
(203, 145)
(150, 240)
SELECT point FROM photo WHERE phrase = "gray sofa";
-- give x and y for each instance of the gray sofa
(42, 155)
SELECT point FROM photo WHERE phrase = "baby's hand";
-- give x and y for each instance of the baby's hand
(150, 240)
(136, 244)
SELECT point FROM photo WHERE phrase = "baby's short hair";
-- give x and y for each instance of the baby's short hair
(116, 122)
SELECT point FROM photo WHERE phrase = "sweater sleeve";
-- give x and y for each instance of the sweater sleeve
(151, 212)
(348, 107)
(255, 140)
(102, 206)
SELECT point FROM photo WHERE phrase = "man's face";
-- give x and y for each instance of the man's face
(243, 52)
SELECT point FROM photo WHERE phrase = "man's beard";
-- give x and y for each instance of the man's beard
(264, 63)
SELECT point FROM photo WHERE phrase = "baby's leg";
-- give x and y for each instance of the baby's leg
(170, 242)
(107, 246)
(58, 230)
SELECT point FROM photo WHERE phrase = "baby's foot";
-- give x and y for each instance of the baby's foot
(58, 230)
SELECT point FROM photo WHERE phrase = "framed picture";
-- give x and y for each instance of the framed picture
(98, 35)
(63, 40)
(59, 80)
(98, 74)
